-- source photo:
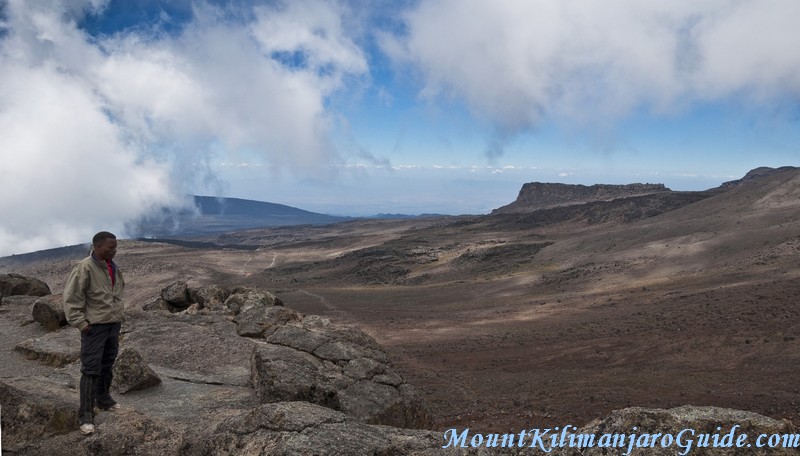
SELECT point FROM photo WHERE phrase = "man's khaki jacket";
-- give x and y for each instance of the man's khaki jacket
(89, 297)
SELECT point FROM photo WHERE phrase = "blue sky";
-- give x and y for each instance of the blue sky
(110, 109)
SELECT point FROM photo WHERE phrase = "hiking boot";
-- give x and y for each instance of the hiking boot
(87, 428)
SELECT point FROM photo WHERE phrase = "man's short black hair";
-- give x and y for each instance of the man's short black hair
(102, 236)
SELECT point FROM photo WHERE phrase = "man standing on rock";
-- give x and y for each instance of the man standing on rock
(93, 303)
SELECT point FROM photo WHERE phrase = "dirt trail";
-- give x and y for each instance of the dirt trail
(331, 309)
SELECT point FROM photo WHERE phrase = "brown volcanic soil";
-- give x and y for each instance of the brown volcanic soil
(551, 318)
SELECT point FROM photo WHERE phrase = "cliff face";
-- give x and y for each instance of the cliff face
(537, 195)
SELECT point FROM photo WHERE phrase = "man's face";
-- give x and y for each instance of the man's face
(105, 249)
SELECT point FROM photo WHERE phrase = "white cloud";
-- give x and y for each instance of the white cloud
(96, 131)
(595, 62)
(313, 28)
(66, 171)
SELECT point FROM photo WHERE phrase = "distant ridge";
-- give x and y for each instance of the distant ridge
(219, 206)
(758, 173)
(535, 196)
(538, 196)
(219, 215)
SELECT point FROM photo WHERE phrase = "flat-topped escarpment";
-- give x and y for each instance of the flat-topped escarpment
(538, 195)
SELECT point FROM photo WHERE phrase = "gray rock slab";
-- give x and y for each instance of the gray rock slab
(57, 348)
(205, 346)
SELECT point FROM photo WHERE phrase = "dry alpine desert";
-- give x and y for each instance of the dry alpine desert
(560, 308)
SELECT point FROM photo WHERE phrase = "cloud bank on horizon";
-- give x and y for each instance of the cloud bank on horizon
(98, 127)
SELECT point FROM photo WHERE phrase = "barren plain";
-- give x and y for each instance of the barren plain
(552, 317)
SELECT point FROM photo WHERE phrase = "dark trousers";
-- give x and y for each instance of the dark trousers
(99, 348)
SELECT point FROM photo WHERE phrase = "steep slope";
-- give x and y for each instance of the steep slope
(731, 232)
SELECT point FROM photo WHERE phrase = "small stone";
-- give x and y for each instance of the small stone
(132, 373)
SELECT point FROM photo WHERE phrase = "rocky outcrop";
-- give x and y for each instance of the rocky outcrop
(296, 428)
(15, 284)
(32, 412)
(701, 420)
(535, 196)
(179, 297)
(244, 299)
(177, 294)
(285, 356)
(132, 373)
(337, 367)
(49, 312)
(125, 432)
(211, 297)
(128, 432)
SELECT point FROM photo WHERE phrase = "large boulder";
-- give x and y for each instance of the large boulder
(15, 284)
(132, 373)
(337, 367)
(210, 297)
(176, 294)
(49, 312)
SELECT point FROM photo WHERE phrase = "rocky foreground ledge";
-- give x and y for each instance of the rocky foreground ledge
(216, 371)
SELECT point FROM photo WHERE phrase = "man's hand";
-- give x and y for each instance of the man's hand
(85, 329)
